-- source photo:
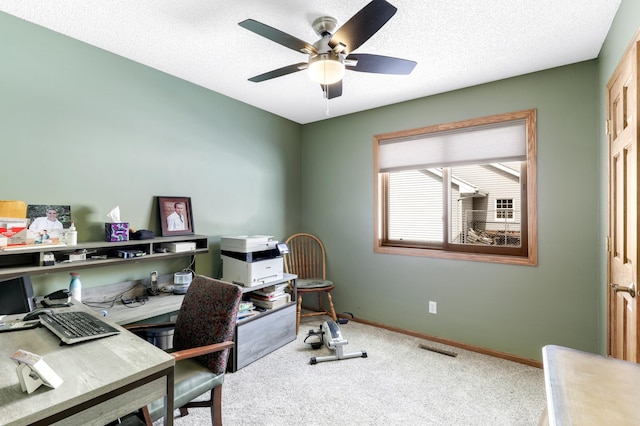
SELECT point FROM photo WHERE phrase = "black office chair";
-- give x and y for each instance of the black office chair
(202, 337)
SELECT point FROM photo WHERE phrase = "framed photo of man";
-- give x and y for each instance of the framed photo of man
(176, 216)
(48, 220)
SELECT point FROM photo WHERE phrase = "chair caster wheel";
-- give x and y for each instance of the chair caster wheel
(364, 354)
(313, 361)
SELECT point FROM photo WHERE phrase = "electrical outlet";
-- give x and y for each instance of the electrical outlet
(433, 307)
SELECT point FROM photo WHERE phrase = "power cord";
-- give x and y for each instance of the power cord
(141, 300)
(315, 345)
(342, 320)
(109, 303)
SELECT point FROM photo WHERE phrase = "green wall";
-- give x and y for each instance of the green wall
(513, 309)
(88, 128)
(84, 127)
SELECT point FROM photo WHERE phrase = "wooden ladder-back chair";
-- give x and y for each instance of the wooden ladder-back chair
(202, 338)
(307, 259)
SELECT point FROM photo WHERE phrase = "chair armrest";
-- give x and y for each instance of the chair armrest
(151, 326)
(201, 350)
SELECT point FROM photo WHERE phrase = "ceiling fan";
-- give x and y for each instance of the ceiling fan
(332, 54)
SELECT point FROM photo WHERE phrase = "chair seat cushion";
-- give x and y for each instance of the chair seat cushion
(191, 379)
(313, 283)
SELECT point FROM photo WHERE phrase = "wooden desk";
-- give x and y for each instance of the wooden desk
(253, 338)
(104, 379)
(164, 303)
(587, 389)
(100, 298)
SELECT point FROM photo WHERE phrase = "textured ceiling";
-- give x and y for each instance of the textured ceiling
(456, 43)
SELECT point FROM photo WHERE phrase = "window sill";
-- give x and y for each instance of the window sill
(531, 260)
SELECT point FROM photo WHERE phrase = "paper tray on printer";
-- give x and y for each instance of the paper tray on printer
(254, 256)
(250, 274)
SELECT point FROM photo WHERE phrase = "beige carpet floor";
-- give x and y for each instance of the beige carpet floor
(399, 383)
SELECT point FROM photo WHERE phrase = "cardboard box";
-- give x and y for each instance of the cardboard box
(13, 231)
(13, 222)
(116, 231)
(74, 257)
(13, 236)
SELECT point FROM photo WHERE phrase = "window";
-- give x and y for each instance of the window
(464, 190)
(504, 209)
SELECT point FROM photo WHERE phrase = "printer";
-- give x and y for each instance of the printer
(251, 260)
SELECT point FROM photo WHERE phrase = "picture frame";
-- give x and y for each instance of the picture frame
(48, 222)
(63, 212)
(176, 216)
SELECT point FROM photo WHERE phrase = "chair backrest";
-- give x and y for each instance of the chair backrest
(306, 257)
(208, 315)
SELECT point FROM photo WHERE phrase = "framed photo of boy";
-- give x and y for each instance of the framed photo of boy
(176, 217)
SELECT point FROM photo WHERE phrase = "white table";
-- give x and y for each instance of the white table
(587, 389)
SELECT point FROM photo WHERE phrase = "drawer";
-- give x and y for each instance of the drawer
(262, 335)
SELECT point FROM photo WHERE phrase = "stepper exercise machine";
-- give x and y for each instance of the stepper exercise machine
(329, 334)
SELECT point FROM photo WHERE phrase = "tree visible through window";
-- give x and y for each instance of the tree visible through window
(459, 190)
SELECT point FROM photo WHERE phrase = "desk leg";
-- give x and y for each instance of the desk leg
(168, 399)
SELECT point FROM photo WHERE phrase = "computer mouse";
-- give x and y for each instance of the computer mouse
(35, 314)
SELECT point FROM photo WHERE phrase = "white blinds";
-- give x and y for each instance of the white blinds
(495, 143)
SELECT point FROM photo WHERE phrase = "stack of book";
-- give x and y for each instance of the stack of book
(270, 297)
(246, 310)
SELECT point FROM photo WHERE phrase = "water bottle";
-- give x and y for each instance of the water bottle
(75, 286)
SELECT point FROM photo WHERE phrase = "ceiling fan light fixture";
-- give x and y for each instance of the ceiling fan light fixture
(326, 68)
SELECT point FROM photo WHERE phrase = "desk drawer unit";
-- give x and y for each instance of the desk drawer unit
(256, 337)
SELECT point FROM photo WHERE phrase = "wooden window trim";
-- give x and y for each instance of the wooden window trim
(529, 199)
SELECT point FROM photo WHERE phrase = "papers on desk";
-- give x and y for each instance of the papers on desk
(18, 325)
(246, 310)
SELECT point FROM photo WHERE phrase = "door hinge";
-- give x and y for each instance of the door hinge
(607, 129)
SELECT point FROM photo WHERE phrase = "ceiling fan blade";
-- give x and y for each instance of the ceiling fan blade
(332, 90)
(363, 25)
(278, 36)
(289, 69)
(380, 64)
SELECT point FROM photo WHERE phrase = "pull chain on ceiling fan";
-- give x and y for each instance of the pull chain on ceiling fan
(332, 55)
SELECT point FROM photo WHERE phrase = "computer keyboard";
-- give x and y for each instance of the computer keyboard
(76, 326)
